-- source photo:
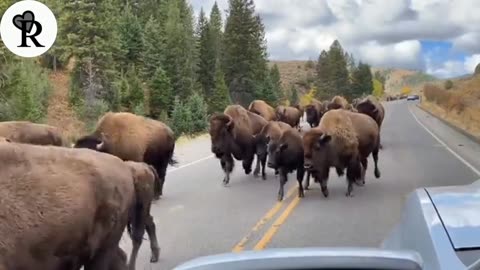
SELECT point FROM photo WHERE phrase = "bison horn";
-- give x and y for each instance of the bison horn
(230, 121)
(100, 145)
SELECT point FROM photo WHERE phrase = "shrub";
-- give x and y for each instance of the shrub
(448, 84)
(198, 111)
(309, 64)
(24, 91)
(181, 118)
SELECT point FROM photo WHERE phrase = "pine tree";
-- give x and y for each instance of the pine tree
(216, 30)
(338, 72)
(244, 48)
(152, 56)
(131, 36)
(362, 81)
(198, 109)
(180, 49)
(323, 76)
(161, 94)
(220, 98)
(294, 96)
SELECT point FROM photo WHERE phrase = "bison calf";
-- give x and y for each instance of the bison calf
(286, 155)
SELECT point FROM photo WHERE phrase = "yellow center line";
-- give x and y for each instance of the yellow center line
(276, 225)
(271, 213)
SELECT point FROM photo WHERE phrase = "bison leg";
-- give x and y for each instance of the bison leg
(152, 235)
(375, 161)
(323, 185)
(300, 175)
(307, 181)
(256, 172)
(247, 164)
(264, 175)
(364, 164)
(283, 180)
(227, 166)
(354, 172)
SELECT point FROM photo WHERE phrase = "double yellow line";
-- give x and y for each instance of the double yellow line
(267, 237)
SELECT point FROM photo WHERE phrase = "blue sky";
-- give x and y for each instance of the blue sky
(441, 37)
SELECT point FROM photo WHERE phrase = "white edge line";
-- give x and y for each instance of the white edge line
(189, 164)
(445, 145)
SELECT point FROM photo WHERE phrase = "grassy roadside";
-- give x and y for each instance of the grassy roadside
(463, 121)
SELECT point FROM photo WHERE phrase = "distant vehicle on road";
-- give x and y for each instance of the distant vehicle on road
(439, 229)
(413, 97)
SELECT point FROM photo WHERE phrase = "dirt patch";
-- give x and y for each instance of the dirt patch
(59, 113)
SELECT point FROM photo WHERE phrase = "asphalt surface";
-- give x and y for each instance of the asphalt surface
(199, 216)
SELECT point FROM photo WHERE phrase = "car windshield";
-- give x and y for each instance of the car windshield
(150, 133)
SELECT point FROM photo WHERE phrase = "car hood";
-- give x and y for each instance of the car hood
(458, 208)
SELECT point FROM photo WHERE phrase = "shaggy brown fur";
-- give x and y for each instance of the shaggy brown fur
(31, 133)
(262, 108)
(373, 108)
(333, 143)
(232, 133)
(315, 111)
(135, 138)
(338, 102)
(144, 181)
(61, 208)
(286, 156)
(289, 115)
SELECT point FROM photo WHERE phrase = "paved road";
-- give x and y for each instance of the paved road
(198, 216)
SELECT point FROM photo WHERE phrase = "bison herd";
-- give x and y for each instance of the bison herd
(67, 206)
(342, 136)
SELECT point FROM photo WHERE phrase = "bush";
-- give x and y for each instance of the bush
(181, 118)
(448, 84)
(198, 110)
(309, 64)
(24, 91)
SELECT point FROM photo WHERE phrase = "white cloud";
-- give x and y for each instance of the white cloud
(453, 68)
(383, 33)
(471, 62)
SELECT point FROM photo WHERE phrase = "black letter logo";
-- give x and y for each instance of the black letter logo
(25, 23)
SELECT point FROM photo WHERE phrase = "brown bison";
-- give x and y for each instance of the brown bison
(144, 182)
(301, 109)
(31, 133)
(271, 132)
(342, 140)
(286, 156)
(289, 115)
(373, 108)
(315, 111)
(135, 138)
(261, 108)
(337, 102)
(62, 208)
(232, 134)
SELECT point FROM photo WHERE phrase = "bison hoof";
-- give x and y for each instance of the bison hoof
(377, 173)
(360, 183)
(156, 197)
(325, 193)
(306, 188)
(280, 198)
(264, 177)
(155, 255)
(349, 194)
(248, 171)
(301, 194)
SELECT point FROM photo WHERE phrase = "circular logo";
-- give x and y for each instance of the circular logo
(28, 28)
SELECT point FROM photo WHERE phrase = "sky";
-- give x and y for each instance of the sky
(440, 37)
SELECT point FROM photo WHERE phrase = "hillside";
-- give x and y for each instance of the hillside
(301, 74)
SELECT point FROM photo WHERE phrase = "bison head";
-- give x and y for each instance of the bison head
(261, 145)
(275, 152)
(92, 142)
(316, 153)
(221, 126)
(312, 114)
(367, 107)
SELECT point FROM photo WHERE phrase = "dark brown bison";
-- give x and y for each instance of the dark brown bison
(315, 111)
(141, 221)
(373, 108)
(31, 133)
(337, 102)
(62, 208)
(262, 108)
(343, 139)
(232, 134)
(271, 132)
(286, 156)
(135, 138)
(289, 115)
